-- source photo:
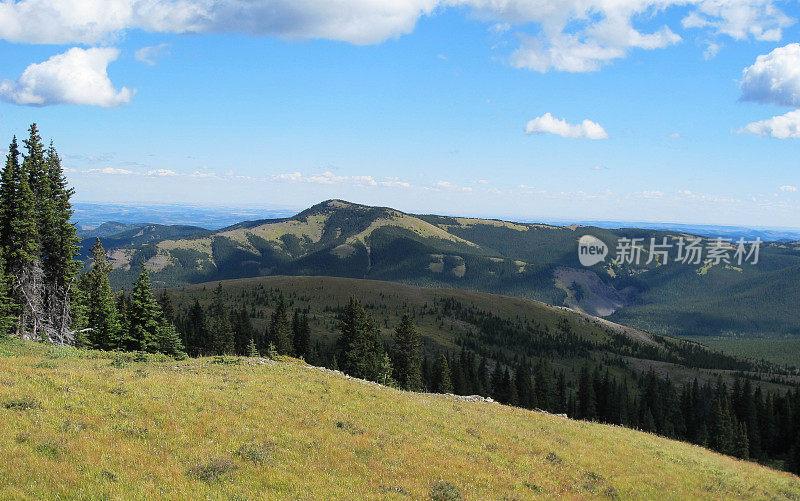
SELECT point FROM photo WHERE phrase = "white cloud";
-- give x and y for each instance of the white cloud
(203, 174)
(674, 135)
(599, 167)
(712, 49)
(774, 78)
(93, 21)
(291, 177)
(788, 187)
(740, 19)
(569, 35)
(162, 173)
(77, 76)
(547, 124)
(148, 55)
(110, 170)
(781, 127)
(448, 186)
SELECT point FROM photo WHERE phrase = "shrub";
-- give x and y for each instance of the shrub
(444, 491)
(256, 452)
(213, 470)
(21, 404)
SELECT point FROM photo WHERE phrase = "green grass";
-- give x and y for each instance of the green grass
(197, 429)
(778, 350)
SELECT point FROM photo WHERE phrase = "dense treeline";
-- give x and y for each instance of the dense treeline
(44, 295)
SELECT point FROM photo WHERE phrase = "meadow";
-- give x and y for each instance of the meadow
(80, 424)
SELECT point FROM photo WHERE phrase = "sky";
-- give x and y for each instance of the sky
(683, 111)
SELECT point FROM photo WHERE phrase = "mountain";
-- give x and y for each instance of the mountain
(241, 428)
(538, 261)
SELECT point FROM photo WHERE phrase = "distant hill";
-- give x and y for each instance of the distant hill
(338, 238)
(83, 424)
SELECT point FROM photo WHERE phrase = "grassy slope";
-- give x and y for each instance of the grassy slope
(195, 429)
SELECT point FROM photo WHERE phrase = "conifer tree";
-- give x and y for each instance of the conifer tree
(442, 380)
(252, 351)
(144, 316)
(359, 344)
(587, 407)
(101, 311)
(280, 330)
(243, 332)
(406, 355)
(301, 336)
(221, 333)
(22, 252)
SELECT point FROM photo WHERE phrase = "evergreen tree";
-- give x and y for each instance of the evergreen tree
(144, 316)
(280, 333)
(59, 242)
(220, 332)
(360, 350)
(252, 351)
(406, 355)
(101, 312)
(442, 380)
(243, 331)
(21, 245)
(301, 336)
(587, 406)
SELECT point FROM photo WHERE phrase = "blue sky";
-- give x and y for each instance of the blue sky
(424, 108)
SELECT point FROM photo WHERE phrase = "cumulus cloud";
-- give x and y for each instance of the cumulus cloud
(148, 55)
(563, 35)
(77, 76)
(774, 78)
(548, 124)
(781, 127)
(788, 187)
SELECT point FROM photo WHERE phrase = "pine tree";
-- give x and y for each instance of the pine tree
(280, 330)
(59, 242)
(221, 334)
(243, 332)
(21, 245)
(144, 316)
(442, 380)
(301, 336)
(587, 406)
(252, 351)
(406, 355)
(101, 312)
(360, 350)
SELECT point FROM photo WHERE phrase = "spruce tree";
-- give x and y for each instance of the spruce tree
(221, 333)
(406, 355)
(23, 257)
(360, 350)
(442, 381)
(301, 336)
(101, 310)
(7, 318)
(144, 316)
(280, 330)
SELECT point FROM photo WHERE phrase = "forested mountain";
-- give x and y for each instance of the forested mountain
(338, 238)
